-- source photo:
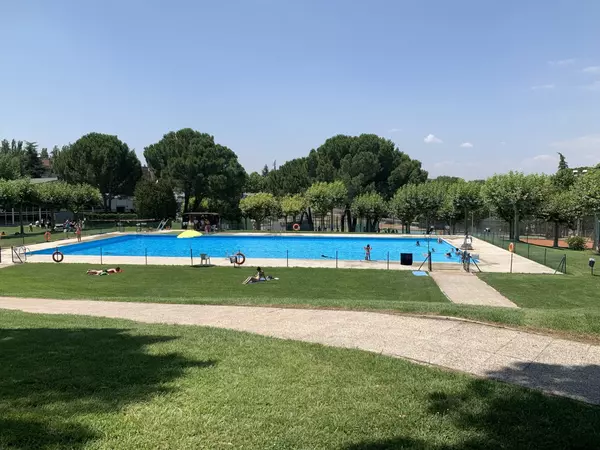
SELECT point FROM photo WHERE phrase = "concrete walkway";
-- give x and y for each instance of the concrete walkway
(556, 366)
(495, 259)
(466, 289)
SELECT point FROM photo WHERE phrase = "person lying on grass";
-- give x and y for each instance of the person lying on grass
(260, 276)
(104, 271)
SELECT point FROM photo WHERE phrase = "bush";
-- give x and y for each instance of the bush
(577, 242)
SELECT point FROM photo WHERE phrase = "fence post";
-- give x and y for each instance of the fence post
(388, 260)
(545, 252)
(191, 256)
(146, 255)
(511, 261)
(528, 249)
(100, 255)
(565, 263)
(429, 265)
(336, 259)
(287, 258)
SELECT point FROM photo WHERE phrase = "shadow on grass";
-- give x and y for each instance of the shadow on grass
(50, 377)
(488, 415)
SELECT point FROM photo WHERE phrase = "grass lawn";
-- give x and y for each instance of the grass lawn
(325, 288)
(564, 302)
(223, 285)
(37, 236)
(89, 383)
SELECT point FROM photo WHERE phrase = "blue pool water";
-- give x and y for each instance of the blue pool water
(294, 247)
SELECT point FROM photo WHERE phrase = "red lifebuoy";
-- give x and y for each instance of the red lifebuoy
(296, 227)
(511, 247)
(47, 236)
(57, 256)
(241, 258)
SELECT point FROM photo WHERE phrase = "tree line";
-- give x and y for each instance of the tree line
(561, 199)
(366, 177)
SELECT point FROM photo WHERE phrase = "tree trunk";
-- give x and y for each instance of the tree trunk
(186, 201)
(332, 219)
(466, 223)
(21, 219)
(351, 222)
(556, 229)
(311, 225)
(407, 227)
(342, 222)
(375, 220)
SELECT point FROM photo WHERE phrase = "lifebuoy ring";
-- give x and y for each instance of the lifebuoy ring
(47, 236)
(511, 247)
(241, 258)
(57, 256)
(296, 227)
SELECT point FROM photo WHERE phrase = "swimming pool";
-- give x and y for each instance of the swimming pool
(267, 246)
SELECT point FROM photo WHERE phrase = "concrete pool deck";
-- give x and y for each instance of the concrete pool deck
(491, 258)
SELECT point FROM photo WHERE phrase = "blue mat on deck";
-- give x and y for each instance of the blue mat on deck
(419, 273)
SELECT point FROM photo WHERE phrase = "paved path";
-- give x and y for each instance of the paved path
(495, 259)
(465, 288)
(557, 366)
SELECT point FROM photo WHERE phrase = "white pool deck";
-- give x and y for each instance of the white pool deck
(491, 258)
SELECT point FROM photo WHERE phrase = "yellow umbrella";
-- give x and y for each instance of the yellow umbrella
(189, 234)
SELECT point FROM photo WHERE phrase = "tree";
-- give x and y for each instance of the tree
(370, 206)
(16, 194)
(32, 164)
(265, 171)
(11, 159)
(83, 196)
(364, 163)
(292, 205)
(61, 195)
(44, 153)
(513, 196)
(290, 178)
(561, 208)
(101, 160)
(562, 163)
(404, 205)
(430, 200)
(564, 177)
(255, 183)
(259, 206)
(466, 198)
(200, 168)
(324, 197)
(155, 200)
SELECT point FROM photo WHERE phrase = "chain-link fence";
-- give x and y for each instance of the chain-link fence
(550, 257)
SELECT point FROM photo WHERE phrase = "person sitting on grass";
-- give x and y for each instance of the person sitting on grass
(260, 276)
(102, 272)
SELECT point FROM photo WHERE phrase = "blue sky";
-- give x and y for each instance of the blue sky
(468, 87)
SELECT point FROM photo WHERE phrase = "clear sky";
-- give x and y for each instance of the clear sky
(469, 87)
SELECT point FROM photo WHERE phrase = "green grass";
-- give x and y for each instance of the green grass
(12, 238)
(392, 291)
(298, 286)
(71, 382)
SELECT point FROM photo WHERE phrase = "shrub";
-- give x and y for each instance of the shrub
(577, 242)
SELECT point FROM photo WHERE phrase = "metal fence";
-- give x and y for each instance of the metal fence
(549, 257)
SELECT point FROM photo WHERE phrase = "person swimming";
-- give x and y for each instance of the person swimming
(448, 254)
(418, 244)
